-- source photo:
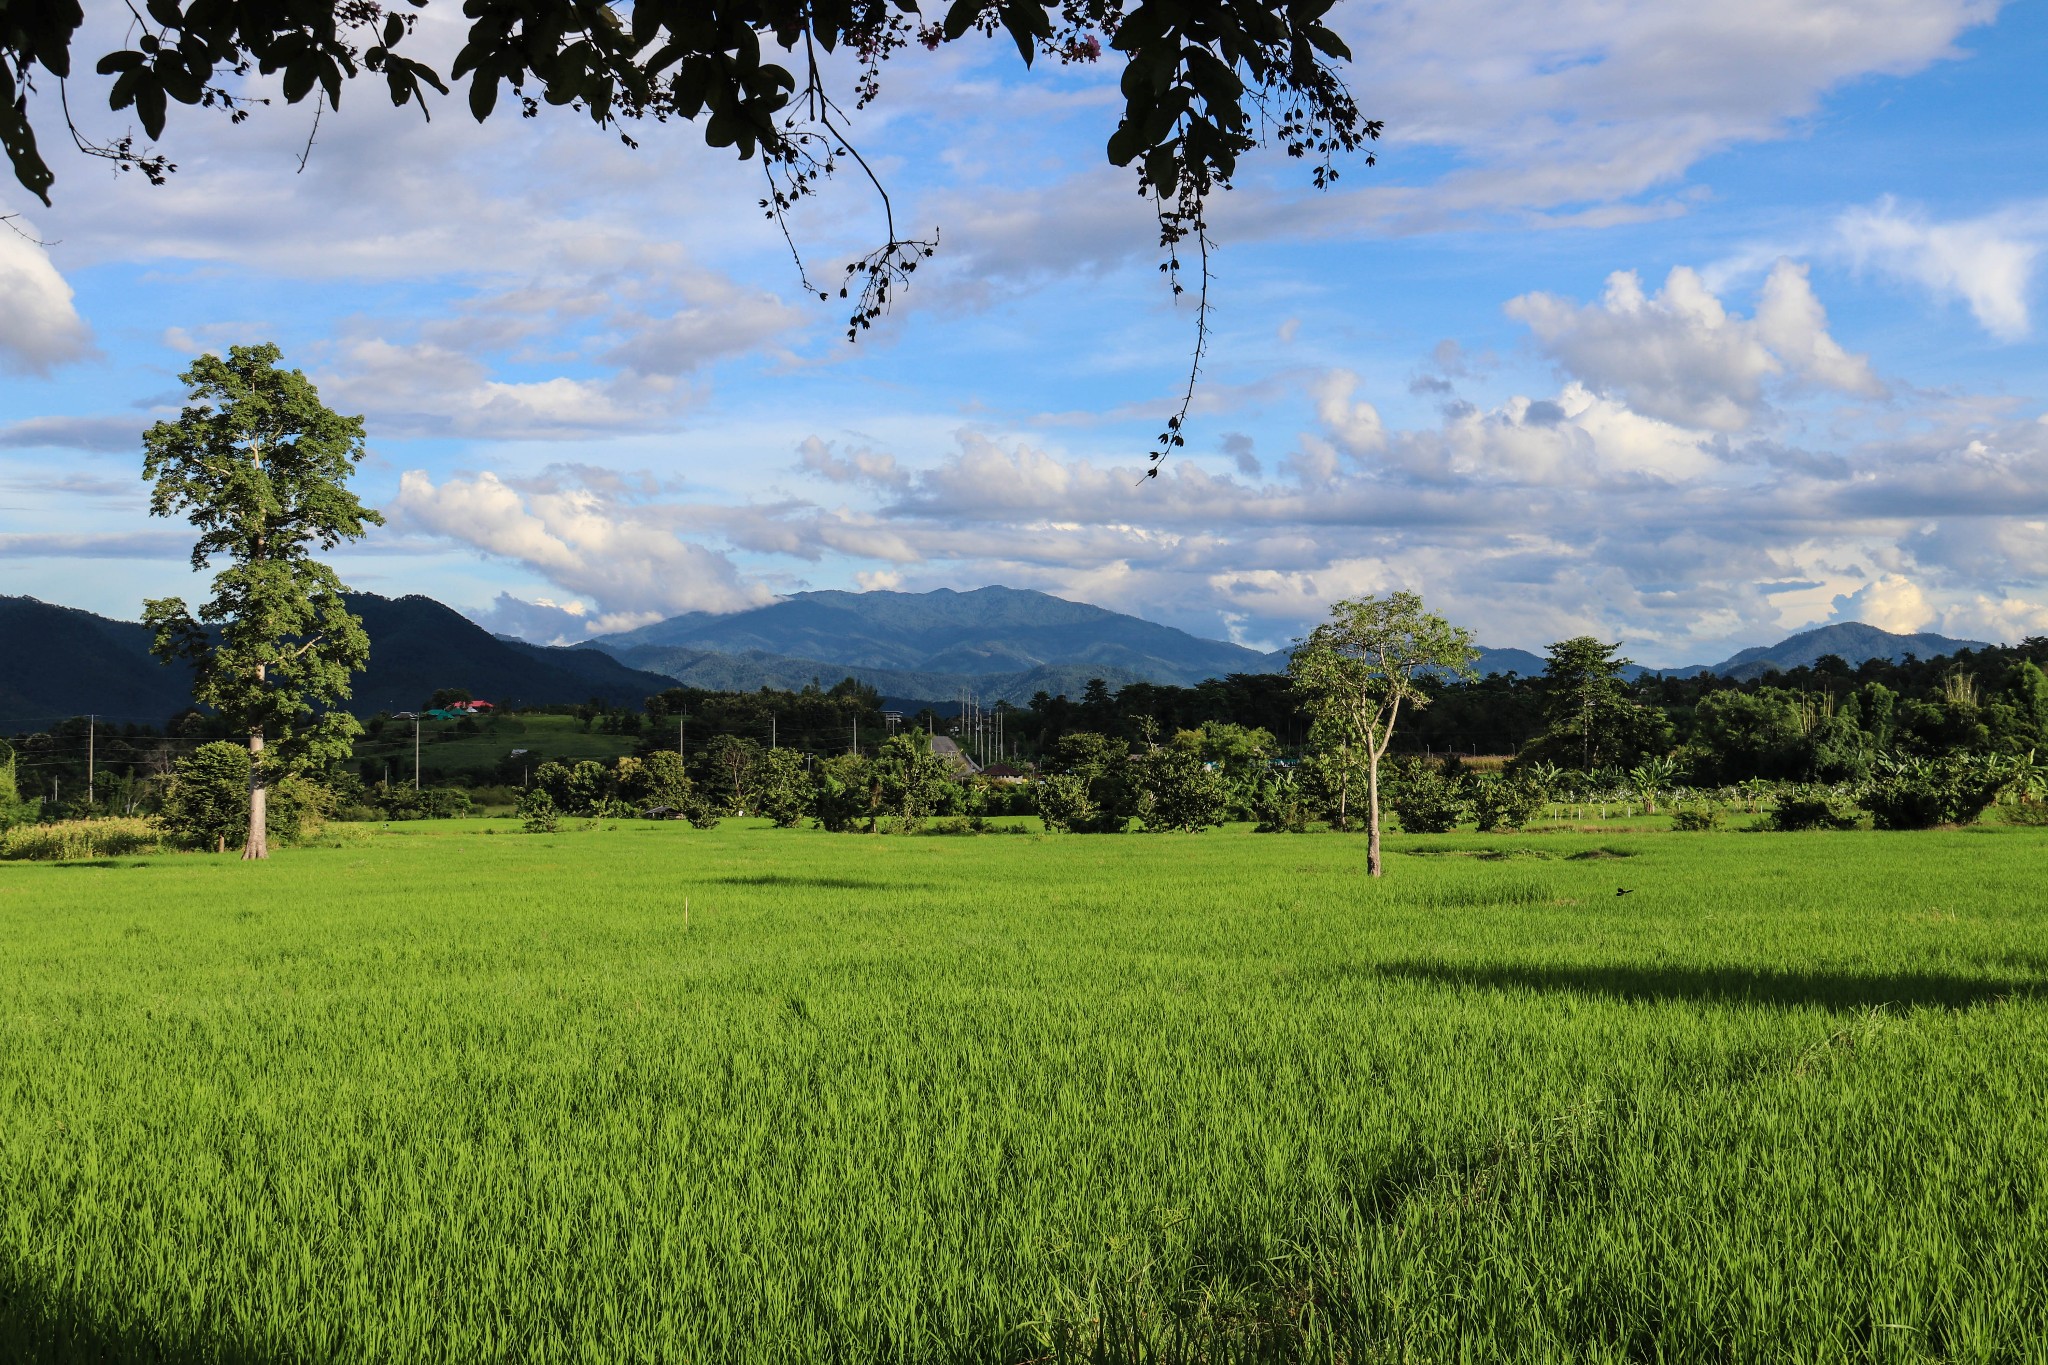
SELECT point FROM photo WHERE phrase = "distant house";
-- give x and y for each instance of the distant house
(944, 747)
(1005, 772)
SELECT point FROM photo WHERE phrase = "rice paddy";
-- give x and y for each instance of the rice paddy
(449, 1092)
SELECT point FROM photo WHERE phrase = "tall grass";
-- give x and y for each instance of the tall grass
(460, 1094)
(114, 837)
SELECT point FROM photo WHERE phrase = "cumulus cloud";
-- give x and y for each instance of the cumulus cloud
(630, 558)
(548, 622)
(1889, 602)
(1986, 262)
(1680, 355)
(860, 465)
(40, 328)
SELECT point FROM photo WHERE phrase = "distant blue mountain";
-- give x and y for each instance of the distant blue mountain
(987, 632)
(1851, 641)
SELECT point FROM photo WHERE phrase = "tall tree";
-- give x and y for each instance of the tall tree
(261, 467)
(1593, 721)
(1358, 669)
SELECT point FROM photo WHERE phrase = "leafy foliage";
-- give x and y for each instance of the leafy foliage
(1202, 85)
(1426, 798)
(1063, 803)
(1182, 792)
(1807, 806)
(1921, 793)
(208, 802)
(1504, 801)
(538, 813)
(261, 468)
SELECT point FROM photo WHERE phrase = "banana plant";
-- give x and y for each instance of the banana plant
(1649, 777)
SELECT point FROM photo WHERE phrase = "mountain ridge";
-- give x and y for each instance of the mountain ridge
(64, 662)
(61, 661)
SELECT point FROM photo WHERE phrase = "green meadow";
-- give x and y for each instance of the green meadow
(450, 1092)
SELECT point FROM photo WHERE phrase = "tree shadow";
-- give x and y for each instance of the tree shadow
(40, 1325)
(1835, 990)
(822, 883)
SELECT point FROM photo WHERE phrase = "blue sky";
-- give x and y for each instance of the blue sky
(1683, 329)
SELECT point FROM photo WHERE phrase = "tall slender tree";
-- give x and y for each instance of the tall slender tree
(1358, 669)
(261, 467)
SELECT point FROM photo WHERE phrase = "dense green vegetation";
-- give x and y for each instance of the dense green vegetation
(642, 1092)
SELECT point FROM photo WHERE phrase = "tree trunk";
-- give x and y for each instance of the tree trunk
(1372, 817)
(259, 810)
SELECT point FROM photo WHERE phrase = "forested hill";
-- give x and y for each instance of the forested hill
(1850, 641)
(57, 662)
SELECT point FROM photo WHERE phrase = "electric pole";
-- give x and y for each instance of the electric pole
(415, 753)
(91, 734)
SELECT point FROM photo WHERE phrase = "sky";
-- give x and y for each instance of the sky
(1683, 326)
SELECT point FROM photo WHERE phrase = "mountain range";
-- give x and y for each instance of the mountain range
(997, 643)
(58, 661)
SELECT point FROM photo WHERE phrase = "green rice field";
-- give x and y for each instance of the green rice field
(447, 1092)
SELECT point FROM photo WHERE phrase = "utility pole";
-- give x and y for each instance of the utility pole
(415, 753)
(679, 737)
(771, 732)
(91, 733)
(855, 724)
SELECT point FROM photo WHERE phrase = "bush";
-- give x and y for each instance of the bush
(1185, 793)
(207, 805)
(1923, 793)
(113, 838)
(1810, 807)
(1281, 805)
(1063, 803)
(537, 812)
(449, 803)
(296, 808)
(1698, 815)
(1504, 803)
(1426, 801)
(2025, 813)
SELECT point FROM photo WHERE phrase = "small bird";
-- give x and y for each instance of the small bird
(1624, 890)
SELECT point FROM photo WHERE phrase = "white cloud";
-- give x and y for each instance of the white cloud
(1889, 602)
(1355, 427)
(1589, 101)
(860, 465)
(1986, 262)
(40, 328)
(1680, 355)
(630, 558)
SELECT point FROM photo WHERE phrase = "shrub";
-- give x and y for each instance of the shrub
(296, 809)
(448, 803)
(1810, 807)
(13, 809)
(1923, 793)
(1698, 815)
(2025, 812)
(1185, 793)
(1063, 802)
(785, 788)
(1281, 805)
(1504, 803)
(207, 805)
(1426, 801)
(537, 812)
(112, 838)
